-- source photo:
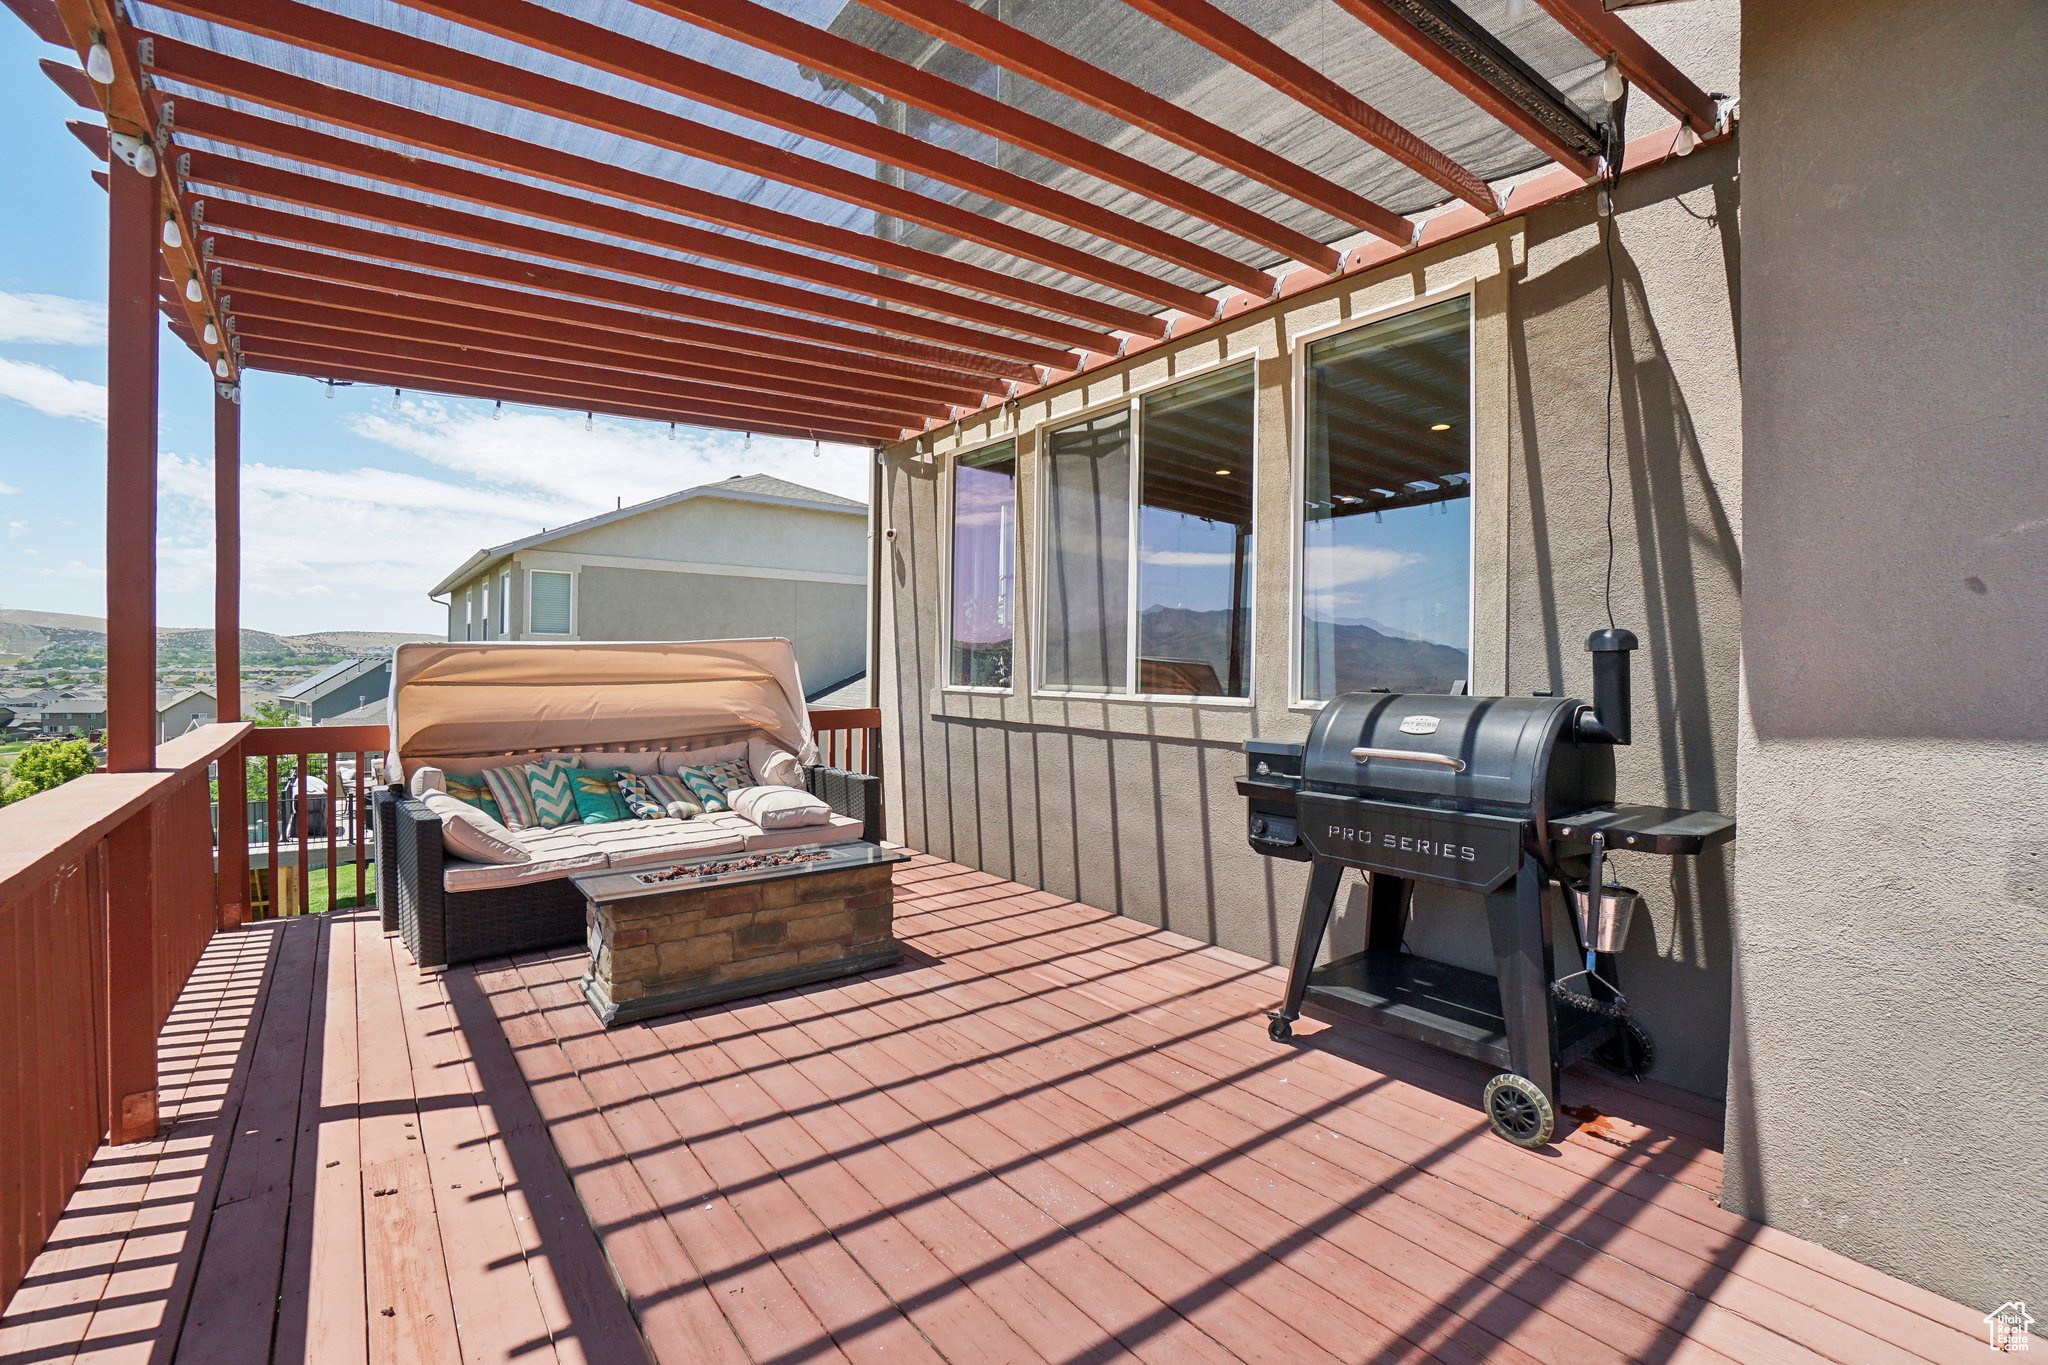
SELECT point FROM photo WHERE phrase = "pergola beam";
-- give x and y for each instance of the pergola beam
(238, 219)
(314, 303)
(227, 643)
(982, 34)
(430, 379)
(815, 48)
(1608, 35)
(388, 50)
(275, 266)
(258, 336)
(574, 249)
(241, 80)
(1463, 59)
(989, 38)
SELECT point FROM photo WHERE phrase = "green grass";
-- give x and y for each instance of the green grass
(344, 894)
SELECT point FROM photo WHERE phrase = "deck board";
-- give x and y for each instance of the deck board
(1050, 1133)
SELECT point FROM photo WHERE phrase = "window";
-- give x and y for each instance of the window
(1386, 506)
(469, 614)
(483, 594)
(505, 605)
(549, 608)
(1148, 544)
(981, 621)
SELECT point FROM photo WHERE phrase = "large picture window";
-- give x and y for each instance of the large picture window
(1148, 544)
(1386, 514)
(981, 613)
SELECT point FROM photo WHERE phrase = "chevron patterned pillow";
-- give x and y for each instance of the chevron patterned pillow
(552, 782)
(709, 783)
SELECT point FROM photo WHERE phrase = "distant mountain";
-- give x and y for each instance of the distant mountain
(54, 639)
(1364, 656)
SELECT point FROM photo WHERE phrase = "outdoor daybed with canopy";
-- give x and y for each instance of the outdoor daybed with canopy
(459, 709)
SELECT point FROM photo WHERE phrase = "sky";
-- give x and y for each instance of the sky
(355, 502)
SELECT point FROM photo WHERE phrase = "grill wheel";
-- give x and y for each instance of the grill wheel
(1518, 1110)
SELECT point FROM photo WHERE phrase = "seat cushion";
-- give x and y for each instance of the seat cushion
(567, 841)
(466, 876)
(837, 830)
(663, 841)
(470, 834)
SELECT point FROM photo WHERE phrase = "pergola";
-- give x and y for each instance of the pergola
(854, 223)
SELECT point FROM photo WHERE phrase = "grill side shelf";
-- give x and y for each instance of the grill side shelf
(1666, 830)
(1443, 1005)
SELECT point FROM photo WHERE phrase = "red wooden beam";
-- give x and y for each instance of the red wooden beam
(318, 303)
(1609, 35)
(1244, 46)
(232, 890)
(92, 135)
(388, 50)
(228, 218)
(817, 49)
(247, 263)
(42, 19)
(1384, 19)
(74, 83)
(584, 214)
(131, 470)
(266, 335)
(989, 38)
(426, 379)
(248, 81)
(502, 234)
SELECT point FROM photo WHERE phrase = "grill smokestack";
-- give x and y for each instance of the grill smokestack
(1607, 721)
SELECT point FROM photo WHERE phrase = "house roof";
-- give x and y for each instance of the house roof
(369, 713)
(327, 679)
(757, 488)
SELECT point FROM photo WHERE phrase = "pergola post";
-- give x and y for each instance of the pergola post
(130, 867)
(232, 840)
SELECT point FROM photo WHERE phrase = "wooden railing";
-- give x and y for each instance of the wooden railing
(107, 899)
(849, 738)
(331, 826)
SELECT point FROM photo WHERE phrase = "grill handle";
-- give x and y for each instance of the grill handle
(1456, 765)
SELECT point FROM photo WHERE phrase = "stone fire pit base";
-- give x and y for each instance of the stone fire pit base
(661, 947)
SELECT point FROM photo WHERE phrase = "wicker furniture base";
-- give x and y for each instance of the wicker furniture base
(663, 947)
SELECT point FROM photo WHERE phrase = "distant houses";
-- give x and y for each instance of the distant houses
(347, 686)
(53, 712)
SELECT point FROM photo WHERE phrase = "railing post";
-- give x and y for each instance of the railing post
(233, 863)
(130, 999)
(131, 468)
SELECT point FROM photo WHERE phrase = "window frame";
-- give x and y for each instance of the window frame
(531, 576)
(1297, 380)
(505, 604)
(950, 467)
(1132, 402)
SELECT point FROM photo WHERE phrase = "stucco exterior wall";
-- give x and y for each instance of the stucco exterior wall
(825, 622)
(1130, 805)
(1891, 1033)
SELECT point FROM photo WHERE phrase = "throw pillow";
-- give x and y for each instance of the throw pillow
(597, 796)
(778, 807)
(424, 780)
(773, 765)
(472, 791)
(468, 833)
(639, 800)
(514, 798)
(709, 784)
(675, 797)
(552, 782)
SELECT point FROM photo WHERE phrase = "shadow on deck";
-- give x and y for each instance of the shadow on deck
(1050, 1133)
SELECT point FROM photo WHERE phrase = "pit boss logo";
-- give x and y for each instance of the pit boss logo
(1418, 725)
(1365, 839)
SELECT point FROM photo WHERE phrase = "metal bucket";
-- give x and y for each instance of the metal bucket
(1603, 924)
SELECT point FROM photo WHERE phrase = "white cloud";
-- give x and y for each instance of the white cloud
(7, 488)
(49, 392)
(75, 568)
(15, 528)
(1336, 566)
(1190, 559)
(51, 320)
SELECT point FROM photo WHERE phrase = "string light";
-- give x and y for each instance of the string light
(192, 289)
(396, 394)
(1686, 140)
(671, 431)
(589, 421)
(99, 63)
(211, 335)
(220, 367)
(1611, 83)
(173, 238)
(497, 409)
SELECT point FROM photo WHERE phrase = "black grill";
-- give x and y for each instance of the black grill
(1506, 796)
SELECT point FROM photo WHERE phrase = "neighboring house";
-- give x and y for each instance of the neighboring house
(179, 711)
(752, 555)
(79, 711)
(370, 713)
(346, 686)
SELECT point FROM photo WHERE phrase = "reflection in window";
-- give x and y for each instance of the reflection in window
(984, 567)
(1087, 555)
(1386, 551)
(1195, 538)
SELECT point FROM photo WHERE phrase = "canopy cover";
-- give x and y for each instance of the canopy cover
(467, 699)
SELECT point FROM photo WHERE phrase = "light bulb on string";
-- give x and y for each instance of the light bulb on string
(1686, 140)
(99, 63)
(497, 409)
(173, 238)
(1612, 86)
(192, 289)
(589, 421)
(211, 336)
(220, 367)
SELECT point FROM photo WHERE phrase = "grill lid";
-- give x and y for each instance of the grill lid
(1507, 755)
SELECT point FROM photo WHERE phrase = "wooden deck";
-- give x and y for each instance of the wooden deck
(1050, 1134)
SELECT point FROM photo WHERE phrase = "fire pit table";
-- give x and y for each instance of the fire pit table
(672, 937)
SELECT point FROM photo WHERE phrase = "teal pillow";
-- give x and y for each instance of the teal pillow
(597, 796)
(473, 791)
